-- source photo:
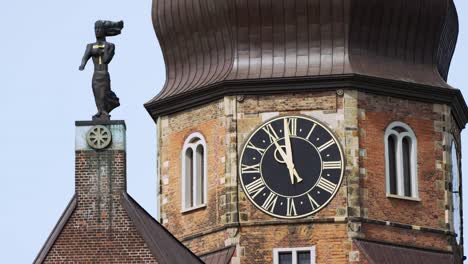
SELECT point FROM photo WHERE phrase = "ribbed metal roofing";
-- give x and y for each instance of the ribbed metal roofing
(205, 42)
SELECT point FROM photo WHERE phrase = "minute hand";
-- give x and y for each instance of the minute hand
(289, 155)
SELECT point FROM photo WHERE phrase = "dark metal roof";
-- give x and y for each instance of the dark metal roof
(209, 43)
(379, 253)
(164, 246)
(221, 256)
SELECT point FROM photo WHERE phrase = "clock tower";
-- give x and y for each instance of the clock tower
(310, 131)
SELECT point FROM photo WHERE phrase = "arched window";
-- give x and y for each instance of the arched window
(401, 163)
(194, 172)
(455, 191)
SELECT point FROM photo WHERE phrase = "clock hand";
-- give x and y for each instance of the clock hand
(288, 159)
(287, 138)
(283, 155)
(285, 158)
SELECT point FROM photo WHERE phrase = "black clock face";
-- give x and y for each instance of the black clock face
(291, 167)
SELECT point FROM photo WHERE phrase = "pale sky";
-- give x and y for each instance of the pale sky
(43, 93)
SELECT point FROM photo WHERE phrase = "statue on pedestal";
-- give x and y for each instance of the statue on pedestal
(102, 53)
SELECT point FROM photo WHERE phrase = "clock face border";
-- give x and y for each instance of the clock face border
(271, 120)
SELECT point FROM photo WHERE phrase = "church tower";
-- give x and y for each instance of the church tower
(310, 131)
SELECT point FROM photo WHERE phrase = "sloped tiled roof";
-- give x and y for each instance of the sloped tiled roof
(164, 246)
(379, 253)
(221, 256)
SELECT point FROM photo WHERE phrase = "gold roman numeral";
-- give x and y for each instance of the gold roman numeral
(252, 146)
(292, 123)
(310, 132)
(291, 208)
(330, 165)
(271, 133)
(314, 203)
(326, 185)
(270, 202)
(326, 145)
(250, 168)
(255, 187)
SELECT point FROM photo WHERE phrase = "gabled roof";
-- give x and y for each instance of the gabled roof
(56, 231)
(164, 246)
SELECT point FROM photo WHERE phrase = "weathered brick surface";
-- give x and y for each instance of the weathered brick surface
(359, 121)
(376, 113)
(226, 124)
(405, 236)
(205, 244)
(330, 240)
(99, 230)
(207, 120)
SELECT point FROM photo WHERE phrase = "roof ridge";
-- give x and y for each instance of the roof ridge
(56, 231)
(148, 227)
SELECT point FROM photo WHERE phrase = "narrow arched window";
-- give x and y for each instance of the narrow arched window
(194, 172)
(401, 161)
(455, 191)
(392, 173)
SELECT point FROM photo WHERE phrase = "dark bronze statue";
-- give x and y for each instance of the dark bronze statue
(102, 53)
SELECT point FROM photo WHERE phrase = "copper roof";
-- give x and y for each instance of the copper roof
(205, 42)
(221, 256)
(379, 253)
(164, 246)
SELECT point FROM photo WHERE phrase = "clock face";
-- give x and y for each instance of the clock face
(291, 167)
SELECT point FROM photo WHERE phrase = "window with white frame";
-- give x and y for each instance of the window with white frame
(194, 171)
(401, 163)
(455, 191)
(305, 255)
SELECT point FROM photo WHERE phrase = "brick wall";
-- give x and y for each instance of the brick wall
(429, 122)
(359, 210)
(330, 241)
(209, 121)
(227, 220)
(99, 230)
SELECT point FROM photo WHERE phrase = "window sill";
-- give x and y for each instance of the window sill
(413, 199)
(191, 209)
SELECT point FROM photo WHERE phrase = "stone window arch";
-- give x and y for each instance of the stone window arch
(194, 172)
(401, 161)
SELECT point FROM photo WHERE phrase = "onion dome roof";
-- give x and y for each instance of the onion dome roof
(218, 47)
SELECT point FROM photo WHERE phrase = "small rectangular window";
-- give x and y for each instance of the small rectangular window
(285, 258)
(303, 257)
(294, 255)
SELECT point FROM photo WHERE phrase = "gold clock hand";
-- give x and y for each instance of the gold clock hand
(288, 160)
(287, 138)
(284, 156)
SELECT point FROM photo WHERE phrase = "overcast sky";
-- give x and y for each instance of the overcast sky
(43, 93)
